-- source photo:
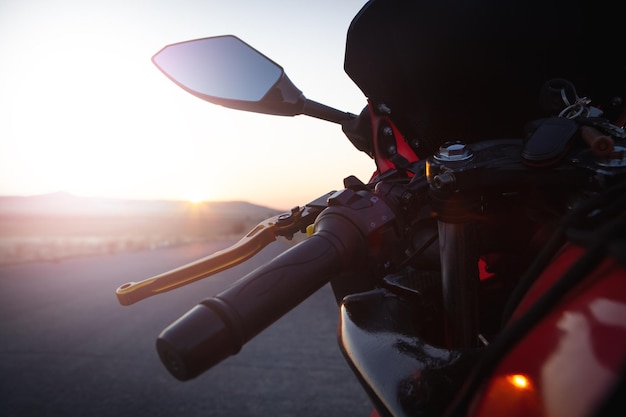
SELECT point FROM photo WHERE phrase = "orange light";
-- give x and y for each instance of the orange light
(519, 381)
(511, 395)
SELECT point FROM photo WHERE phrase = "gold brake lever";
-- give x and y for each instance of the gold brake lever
(262, 235)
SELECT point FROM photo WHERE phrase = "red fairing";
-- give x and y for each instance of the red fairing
(568, 363)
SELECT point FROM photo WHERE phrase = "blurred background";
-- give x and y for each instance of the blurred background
(110, 173)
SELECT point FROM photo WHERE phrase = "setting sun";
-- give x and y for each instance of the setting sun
(196, 199)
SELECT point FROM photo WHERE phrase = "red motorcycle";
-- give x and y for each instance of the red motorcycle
(475, 277)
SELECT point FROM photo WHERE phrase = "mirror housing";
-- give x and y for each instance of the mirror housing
(225, 70)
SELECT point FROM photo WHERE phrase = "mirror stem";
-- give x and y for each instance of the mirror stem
(321, 111)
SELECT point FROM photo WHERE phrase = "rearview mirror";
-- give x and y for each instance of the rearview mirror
(227, 71)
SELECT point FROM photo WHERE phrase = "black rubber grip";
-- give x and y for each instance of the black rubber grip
(219, 326)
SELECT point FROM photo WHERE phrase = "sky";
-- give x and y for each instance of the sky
(83, 109)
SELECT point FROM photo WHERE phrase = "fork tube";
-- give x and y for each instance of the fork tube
(459, 270)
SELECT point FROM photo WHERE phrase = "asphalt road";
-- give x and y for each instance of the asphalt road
(67, 348)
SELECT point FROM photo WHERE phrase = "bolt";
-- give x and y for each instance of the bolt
(442, 180)
(383, 109)
(295, 211)
(453, 151)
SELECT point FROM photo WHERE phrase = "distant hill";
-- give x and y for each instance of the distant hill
(61, 225)
(65, 204)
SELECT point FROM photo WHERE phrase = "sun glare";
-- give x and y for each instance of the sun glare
(195, 199)
(197, 195)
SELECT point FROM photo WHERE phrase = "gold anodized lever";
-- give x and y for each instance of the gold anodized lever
(263, 234)
(244, 249)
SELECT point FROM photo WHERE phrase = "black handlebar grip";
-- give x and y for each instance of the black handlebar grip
(219, 326)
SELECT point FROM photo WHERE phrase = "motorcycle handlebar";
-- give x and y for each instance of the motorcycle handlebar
(219, 326)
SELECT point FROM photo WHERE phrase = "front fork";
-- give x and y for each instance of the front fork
(459, 279)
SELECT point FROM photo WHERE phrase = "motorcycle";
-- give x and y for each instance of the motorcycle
(486, 278)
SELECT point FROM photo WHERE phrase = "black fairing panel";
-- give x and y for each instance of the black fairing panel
(473, 69)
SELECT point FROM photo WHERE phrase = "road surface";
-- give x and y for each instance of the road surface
(67, 348)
